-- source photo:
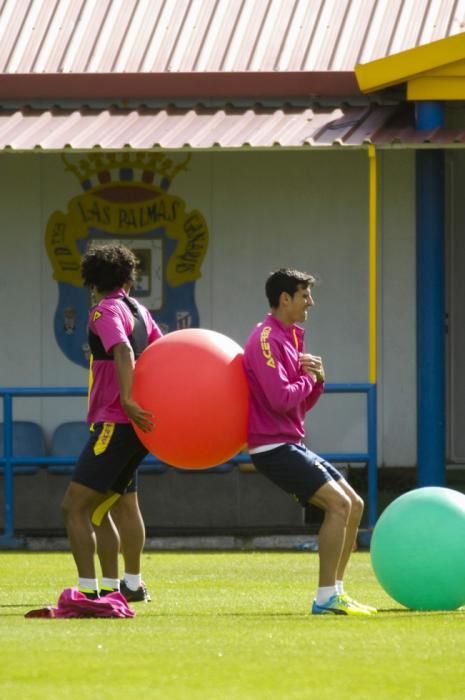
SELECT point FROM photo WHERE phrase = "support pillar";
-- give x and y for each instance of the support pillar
(430, 301)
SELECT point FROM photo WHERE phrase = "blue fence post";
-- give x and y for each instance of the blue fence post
(371, 454)
(430, 214)
(9, 460)
(372, 457)
(8, 467)
(8, 539)
(431, 440)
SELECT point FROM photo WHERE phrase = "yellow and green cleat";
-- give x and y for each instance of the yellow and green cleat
(340, 605)
(370, 608)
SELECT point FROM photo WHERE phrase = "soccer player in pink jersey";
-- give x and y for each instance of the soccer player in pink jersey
(120, 328)
(285, 383)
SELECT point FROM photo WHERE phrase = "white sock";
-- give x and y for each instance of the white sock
(87, 584)
(110, 584)
(133, 581)
(340, 587)
(324, 593)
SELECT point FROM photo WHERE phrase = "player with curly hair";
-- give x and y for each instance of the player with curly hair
(120, 328)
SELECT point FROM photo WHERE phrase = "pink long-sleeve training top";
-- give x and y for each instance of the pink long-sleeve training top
(281, 393)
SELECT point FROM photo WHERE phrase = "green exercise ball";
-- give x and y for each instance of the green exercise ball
(418, 549)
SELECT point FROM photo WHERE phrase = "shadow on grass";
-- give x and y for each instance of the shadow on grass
(411, 611)
(23, 605)
(13, 610)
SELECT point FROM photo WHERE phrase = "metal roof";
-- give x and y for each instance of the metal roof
(111, 36)
(148, 53)
(203, 127)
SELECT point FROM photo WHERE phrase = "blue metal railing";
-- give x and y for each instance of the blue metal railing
(8, 460)
(370, 457)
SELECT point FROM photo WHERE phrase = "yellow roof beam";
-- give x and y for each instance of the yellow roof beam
(436, 88)
(403, 66)
(454, 69)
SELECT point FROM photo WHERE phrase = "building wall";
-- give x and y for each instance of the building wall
(264, 210)
(397, 328)
(455, 295)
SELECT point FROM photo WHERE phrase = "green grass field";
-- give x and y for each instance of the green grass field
(223, 626)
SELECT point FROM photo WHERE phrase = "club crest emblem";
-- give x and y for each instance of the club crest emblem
(126, 199)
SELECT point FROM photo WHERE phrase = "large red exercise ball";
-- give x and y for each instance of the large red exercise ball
(194, 384)
(418, 549)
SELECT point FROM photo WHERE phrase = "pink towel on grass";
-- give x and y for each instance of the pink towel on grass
(73, 603)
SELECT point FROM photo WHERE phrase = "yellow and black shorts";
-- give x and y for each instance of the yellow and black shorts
(110, 458)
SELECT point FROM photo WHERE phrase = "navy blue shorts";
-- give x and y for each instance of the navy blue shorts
(295, 469)
(110, 459)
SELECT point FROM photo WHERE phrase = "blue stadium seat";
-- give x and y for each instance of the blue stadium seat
(28, 441)
(68, 440)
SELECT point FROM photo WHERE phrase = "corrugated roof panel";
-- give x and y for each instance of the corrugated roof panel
(330, 32)
(283, 128)
(149, 126)
(138, 36)
(440, 21)
(166, 34)
(24, 128)
(271, 39)
(346, 50)
(109, 43)
(56, 40)
(172, 132)
(215, 35)
(11, 21)
(192, 38)
(304, 130)
(380, 28)
(366, 127)
(245, 34)
(337, 126)
(84, 37)
(227, 130)
(297, 38)
(203, 127)
(203, 135)
(36, 30)
(217, 42)
(10, 124)
(257, 129)
(179, 128)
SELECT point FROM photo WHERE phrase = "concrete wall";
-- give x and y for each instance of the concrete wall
(171, 503)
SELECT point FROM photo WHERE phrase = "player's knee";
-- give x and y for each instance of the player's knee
(74, 505)
(356, 506)
(340, 506)
(65, 508)
(66, 504)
